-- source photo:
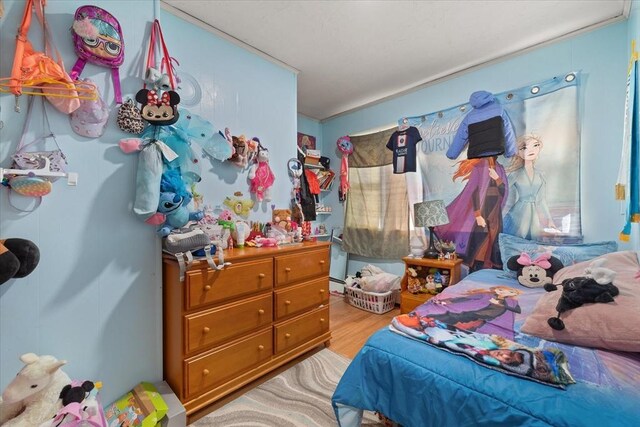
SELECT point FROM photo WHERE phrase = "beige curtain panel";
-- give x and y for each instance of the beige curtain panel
(377, 211)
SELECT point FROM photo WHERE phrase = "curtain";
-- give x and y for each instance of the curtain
(377, 210)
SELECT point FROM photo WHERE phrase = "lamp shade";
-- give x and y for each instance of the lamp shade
(430, 213)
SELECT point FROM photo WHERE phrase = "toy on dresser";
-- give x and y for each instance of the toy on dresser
(32, 397)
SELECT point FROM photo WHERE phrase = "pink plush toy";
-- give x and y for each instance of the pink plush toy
(261, 176)
(266, 242)
(345, 147)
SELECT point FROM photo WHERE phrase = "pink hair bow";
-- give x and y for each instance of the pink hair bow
(542, 261)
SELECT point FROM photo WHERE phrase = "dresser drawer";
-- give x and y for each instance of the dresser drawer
(305, 265)
(299, 298)
(219, 366)
(297, 331)
(208, 286)
(226, 322)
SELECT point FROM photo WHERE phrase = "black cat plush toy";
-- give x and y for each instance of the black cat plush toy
(534, 273)
(158, 110)
(596, 286)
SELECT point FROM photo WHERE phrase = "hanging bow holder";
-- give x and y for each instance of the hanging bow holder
(32, 172)
(38, 73)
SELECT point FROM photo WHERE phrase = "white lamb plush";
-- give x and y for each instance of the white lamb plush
(599, 273)
(33, 395)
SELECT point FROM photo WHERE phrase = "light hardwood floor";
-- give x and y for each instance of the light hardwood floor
(351, 326)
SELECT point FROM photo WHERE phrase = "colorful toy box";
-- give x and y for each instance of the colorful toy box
(143, 406)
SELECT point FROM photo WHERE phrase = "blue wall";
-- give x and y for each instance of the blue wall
(95, 299)
(601, 55)
(311, 127)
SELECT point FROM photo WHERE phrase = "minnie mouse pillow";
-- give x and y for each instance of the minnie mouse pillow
(534, 273)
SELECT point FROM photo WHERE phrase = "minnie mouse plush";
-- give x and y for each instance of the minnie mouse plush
(159, 110)
(534, 273)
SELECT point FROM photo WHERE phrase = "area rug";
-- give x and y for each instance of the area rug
(300, 396)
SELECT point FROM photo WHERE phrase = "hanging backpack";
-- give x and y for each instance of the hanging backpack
(97, 38)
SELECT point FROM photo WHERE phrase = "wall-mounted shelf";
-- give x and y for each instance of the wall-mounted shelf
(319, 235)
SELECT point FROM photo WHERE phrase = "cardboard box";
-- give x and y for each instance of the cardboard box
(143, 406)
(176, 414)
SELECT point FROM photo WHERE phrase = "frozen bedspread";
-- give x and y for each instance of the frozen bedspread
(417, 384)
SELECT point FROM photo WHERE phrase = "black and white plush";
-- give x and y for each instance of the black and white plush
(534, 273)
(596, 286)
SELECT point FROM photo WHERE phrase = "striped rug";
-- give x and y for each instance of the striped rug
(300, 396)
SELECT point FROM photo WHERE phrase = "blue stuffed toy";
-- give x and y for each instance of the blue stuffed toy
(174, 198)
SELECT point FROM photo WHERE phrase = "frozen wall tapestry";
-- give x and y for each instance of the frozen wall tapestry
(531, 190)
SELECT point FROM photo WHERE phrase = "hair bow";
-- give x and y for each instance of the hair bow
(541, 261)
(166, 100)
(152, 98)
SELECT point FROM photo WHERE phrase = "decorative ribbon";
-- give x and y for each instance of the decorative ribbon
(541, 261)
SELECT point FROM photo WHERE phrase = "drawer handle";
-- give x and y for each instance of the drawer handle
(287, 335)
(287, 302)
(322, 291)
(205, 372)
(260, 347)
(322, 320)
(288, 269)
(261, 311)
(207, 287)
(205, 330)
(321, 261)
(261, 275)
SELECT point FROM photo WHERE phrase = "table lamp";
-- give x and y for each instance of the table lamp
(430, 214)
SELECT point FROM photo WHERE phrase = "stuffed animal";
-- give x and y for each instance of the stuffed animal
(414, 285)
(81, 406)
(261, 176)
(282, 218)
(596, 286)
(32, 397)
(175, 212)
(239, 204)
(172, 209)
(240, 156)
(345, 147)
(18, 258)
(76, 394)
(537, 272)
(158, 110)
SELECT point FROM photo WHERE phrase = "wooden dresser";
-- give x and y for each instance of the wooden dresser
(224, 329)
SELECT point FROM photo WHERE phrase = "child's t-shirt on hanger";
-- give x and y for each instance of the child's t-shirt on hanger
(403, 144)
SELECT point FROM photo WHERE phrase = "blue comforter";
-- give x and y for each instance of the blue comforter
(416, 384)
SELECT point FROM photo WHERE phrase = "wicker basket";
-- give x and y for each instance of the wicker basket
(371, 301)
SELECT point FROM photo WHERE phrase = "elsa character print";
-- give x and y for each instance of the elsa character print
(528, 214)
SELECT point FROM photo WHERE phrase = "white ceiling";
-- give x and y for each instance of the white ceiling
(352, 53)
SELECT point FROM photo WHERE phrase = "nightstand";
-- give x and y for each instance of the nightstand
(409, 301)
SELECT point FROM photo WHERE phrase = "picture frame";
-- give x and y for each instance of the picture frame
(306, 142)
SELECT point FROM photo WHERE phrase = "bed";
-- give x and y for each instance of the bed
(417, 384)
